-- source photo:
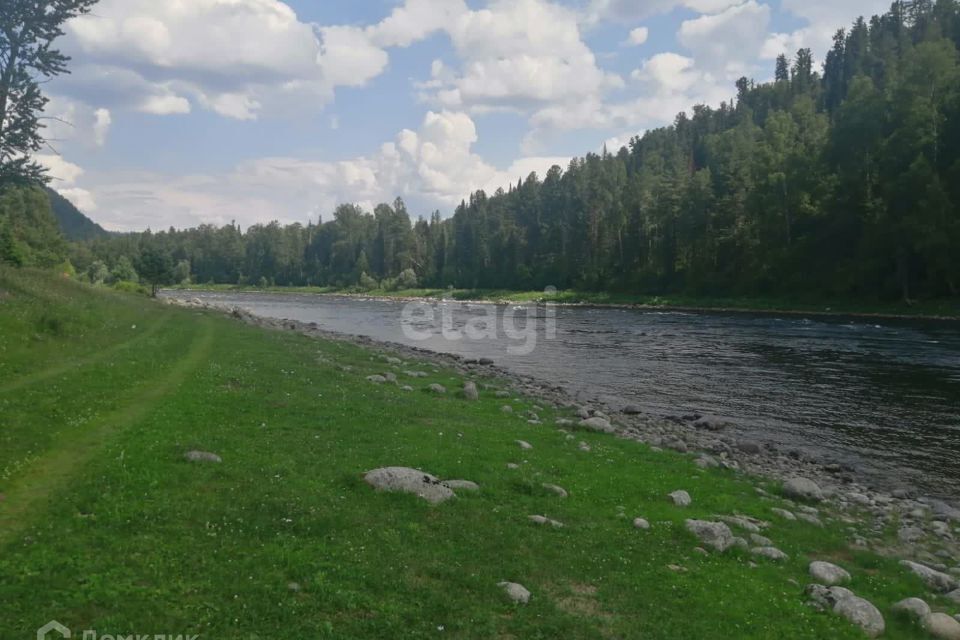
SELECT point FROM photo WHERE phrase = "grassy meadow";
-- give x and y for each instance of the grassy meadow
(104, 525)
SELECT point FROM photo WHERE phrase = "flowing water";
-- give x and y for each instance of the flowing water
(882, 396)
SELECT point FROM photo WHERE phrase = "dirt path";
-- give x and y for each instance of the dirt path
(51, 472)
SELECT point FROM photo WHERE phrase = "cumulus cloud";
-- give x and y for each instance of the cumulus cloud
(638, 36)
(823, 18)
(434, 166)
(727, 43)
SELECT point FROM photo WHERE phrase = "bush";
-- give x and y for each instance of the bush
(131, 287)
(407, 279)
(367, 283)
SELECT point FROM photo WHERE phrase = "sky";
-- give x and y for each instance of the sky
(187, 112)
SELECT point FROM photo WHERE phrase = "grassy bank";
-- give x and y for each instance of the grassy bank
(104, 525)
(840, 307)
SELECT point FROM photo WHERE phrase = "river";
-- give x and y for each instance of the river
(880, 395)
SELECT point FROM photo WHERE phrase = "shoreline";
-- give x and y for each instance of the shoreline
(642, 307)
(850, 495)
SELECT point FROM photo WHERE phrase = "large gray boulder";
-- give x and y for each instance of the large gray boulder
(770, 553)
(861, 613)
(828, 573)
(407, 480)
(715, 535)
(516, 592)
(462, 485)
(941, 626)
(802, 489)
(680, 498)
(935, 580)
(596, 423)
(470, 391)
(913, 606)
(437, 388)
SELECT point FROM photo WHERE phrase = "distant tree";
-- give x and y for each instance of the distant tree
(407, 279)
(155, 267)
(181, 272)
(123, 271)
(27, 31)
(783, 69)
(98, 272)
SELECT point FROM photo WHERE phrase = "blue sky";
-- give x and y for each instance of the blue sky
(184, 113)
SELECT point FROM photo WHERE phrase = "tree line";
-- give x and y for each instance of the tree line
(838, 181)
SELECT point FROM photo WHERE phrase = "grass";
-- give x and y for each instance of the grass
(104, 525)
(943, 308)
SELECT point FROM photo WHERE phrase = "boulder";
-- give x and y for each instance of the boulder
(516, 592)
(715, 535)
(523, 444)
(954, 596)
(760, 540)
(632, 410)
(828, 573)
(545, 520)
(640, 523)
(502, 394)
(783, 513)
(910, 534)
(407, 480)
(771, 553)
(935, 580)
(462, 485)
(861, 613)
(750, 447)
(913, 606)
(941, 626)
(437, 388)
(506, 408)
(202, 456)
(601, 425)
(470, 391)
(377, 379)
(802, 489)
(737, 521)
(681, 499)
(706, 462)
(710, 423)
(555, 489)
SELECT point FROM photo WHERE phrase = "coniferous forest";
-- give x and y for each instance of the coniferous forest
(841, 179)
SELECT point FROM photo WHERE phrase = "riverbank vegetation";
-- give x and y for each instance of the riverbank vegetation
(834, 184)
(105, 525)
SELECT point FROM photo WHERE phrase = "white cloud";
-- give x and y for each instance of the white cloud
(165, 105)
(638, 36)
(101, 125)
(433, 167)
(823, 18)
(69, 120)
(727, 43)
(81, 199)
(415, 20)
(348, 57)
(61, 172)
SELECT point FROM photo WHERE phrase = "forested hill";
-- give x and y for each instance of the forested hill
(74, 224)
(839, 179)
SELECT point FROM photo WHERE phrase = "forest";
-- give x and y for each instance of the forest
(840, 179)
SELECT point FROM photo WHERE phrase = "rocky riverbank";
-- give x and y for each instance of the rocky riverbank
(922, 531)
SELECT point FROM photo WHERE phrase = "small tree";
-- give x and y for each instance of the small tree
(123, 271)
(407, 279)
(27, 31)
(155, 267)
(98, 272)
(181, 273)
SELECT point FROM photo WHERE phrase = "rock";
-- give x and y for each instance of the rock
(552, 488)
(706, 462)
(516, 592)
(715, 535)
(437, 388)
(391, 377)
(783, 513)
(502, 394)
(583, 446)
(710, 423)
(462, 485)
(913, 606)
(737, 521)
(760, 541)
(640, 523)
(954, 596)
(394, 361)
(935, 580)
(202, 456)
(512, 465)
(545, 520)
(771, 553)
(802, 489)
(470, 391)
(485, 362)
(506, 408)
(681, 499)
(941, 626)
(809, 518)
(583, 413)
(749, 447)
(601, 425)
(632, 410)
(861, 613)
(376, 379)
(828, 573)
(910, 534)
(523, 444)
(415, 374)
(406, 387)
(407, 480)
(563, 422)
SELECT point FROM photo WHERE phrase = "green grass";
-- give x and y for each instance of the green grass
(104, 526)
(944, 308)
